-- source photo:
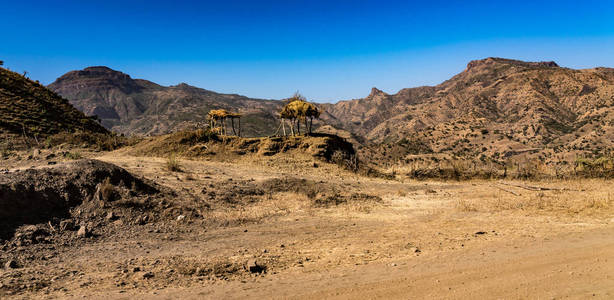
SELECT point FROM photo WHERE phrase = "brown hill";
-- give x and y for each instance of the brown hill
(136, 106)
(30, 109)
(495, 108)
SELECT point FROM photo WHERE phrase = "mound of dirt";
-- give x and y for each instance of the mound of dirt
(35, 196)
(201, 143)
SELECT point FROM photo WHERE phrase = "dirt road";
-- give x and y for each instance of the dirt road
(576, 266)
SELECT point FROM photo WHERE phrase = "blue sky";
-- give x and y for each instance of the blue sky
(328, 50)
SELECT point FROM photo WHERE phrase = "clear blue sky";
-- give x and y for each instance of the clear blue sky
(329, 50)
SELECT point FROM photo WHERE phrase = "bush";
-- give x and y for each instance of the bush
(172, 163)
(345, 160)
(108, 191)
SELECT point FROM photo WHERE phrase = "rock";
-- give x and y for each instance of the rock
(51, 162)
(480, 232)
(83, 231)
(67, 225)
(143, 220)
(111, 216)
(180, 217)
(136, 269)
(36, 153)
(254, 267)
(148, 275)
(50, 156)
(11, 264)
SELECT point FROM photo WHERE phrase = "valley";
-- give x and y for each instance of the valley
(495, 183)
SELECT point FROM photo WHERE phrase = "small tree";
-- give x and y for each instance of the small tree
(1, 63)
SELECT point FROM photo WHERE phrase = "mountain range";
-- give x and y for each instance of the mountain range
(495, 108)
(137, 106)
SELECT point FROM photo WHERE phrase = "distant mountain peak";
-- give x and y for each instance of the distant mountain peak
(100, 69)
(101, 76)
(376, 92)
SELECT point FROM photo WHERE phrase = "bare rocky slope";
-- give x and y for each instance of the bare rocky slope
(29, 109)
(136, 106)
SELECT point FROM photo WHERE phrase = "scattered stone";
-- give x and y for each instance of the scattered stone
(50, 156)
(142, 220)
(52, 162)
(180, 217)
(83, 231)
(148, 275)
(11, 264)
(136, 269)
(111, 216)
(480, 232)
(254, 267)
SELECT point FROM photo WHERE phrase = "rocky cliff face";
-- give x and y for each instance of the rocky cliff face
(136, 106)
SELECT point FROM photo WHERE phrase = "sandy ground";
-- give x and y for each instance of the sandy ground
(425, 239)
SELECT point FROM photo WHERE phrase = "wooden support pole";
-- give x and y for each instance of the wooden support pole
(283, 122)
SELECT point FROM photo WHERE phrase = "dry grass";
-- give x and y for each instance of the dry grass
(581, 197)
(172, 163)
(108, 191)
(522, 169)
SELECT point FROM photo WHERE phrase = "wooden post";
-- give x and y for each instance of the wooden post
(232, 122)
(310, 124)
(239, 126)
(283, 122)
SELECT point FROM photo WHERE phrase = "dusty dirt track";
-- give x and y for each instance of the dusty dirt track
(422, 240)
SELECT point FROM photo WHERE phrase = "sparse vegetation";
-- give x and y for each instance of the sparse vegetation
(108, 191)
(172, 163)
